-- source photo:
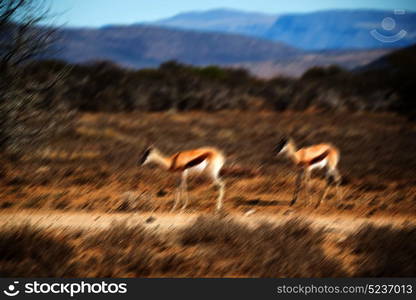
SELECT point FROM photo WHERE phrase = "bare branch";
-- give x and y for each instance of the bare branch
(27, 116)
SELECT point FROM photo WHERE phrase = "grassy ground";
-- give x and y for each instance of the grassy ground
(210, 246)
(95, 168)
(93, 171)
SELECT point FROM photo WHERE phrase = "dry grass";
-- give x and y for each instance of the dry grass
(289, 250)
(94, 167)
(384, 251)
(228, 249)
(210, 247)
(27, 251)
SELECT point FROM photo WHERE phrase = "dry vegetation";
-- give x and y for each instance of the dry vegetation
(71, 136)
(94, 167)
(385, 85)
(384, 251)
(211, 247)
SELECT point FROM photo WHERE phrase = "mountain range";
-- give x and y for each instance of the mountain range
(236, 39)
(139, 46)
(330, 29)
(221, 20)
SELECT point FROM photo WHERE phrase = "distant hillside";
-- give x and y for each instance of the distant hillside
(341, 29)
(403, 60)
(222, 20)
(396, 72)
(331, 29)
(295, 67)
(140, 46)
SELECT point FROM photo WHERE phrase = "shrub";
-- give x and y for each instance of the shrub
(384, 251)
(104, 86)
(27, 251)
(292, 249)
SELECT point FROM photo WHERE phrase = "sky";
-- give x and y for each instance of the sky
(95, 13)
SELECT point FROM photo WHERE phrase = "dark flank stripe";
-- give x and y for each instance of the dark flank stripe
(315, 160)
(197, 160)
(319, 158)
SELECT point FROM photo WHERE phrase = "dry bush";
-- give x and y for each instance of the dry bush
(213, 229)
(103, 86)
(212, 246)
(226, 247)
(27, 122)
(384, 251)
(121, 251)
(28, 114)
(134, 201)
(27, 251)
(289, 250)
(135, 252)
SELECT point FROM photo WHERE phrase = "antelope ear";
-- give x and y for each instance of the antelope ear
(145, 155)
(281, 144)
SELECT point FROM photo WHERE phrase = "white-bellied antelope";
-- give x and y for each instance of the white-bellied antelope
(310, 158)
(205, 160)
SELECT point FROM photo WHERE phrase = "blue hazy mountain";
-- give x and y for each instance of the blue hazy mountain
(331, 29)
(222, 20)
(141, 46)
(265, 44)
(343, 29)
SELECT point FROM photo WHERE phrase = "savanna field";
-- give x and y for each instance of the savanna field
(87, 93)
(84, 199)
